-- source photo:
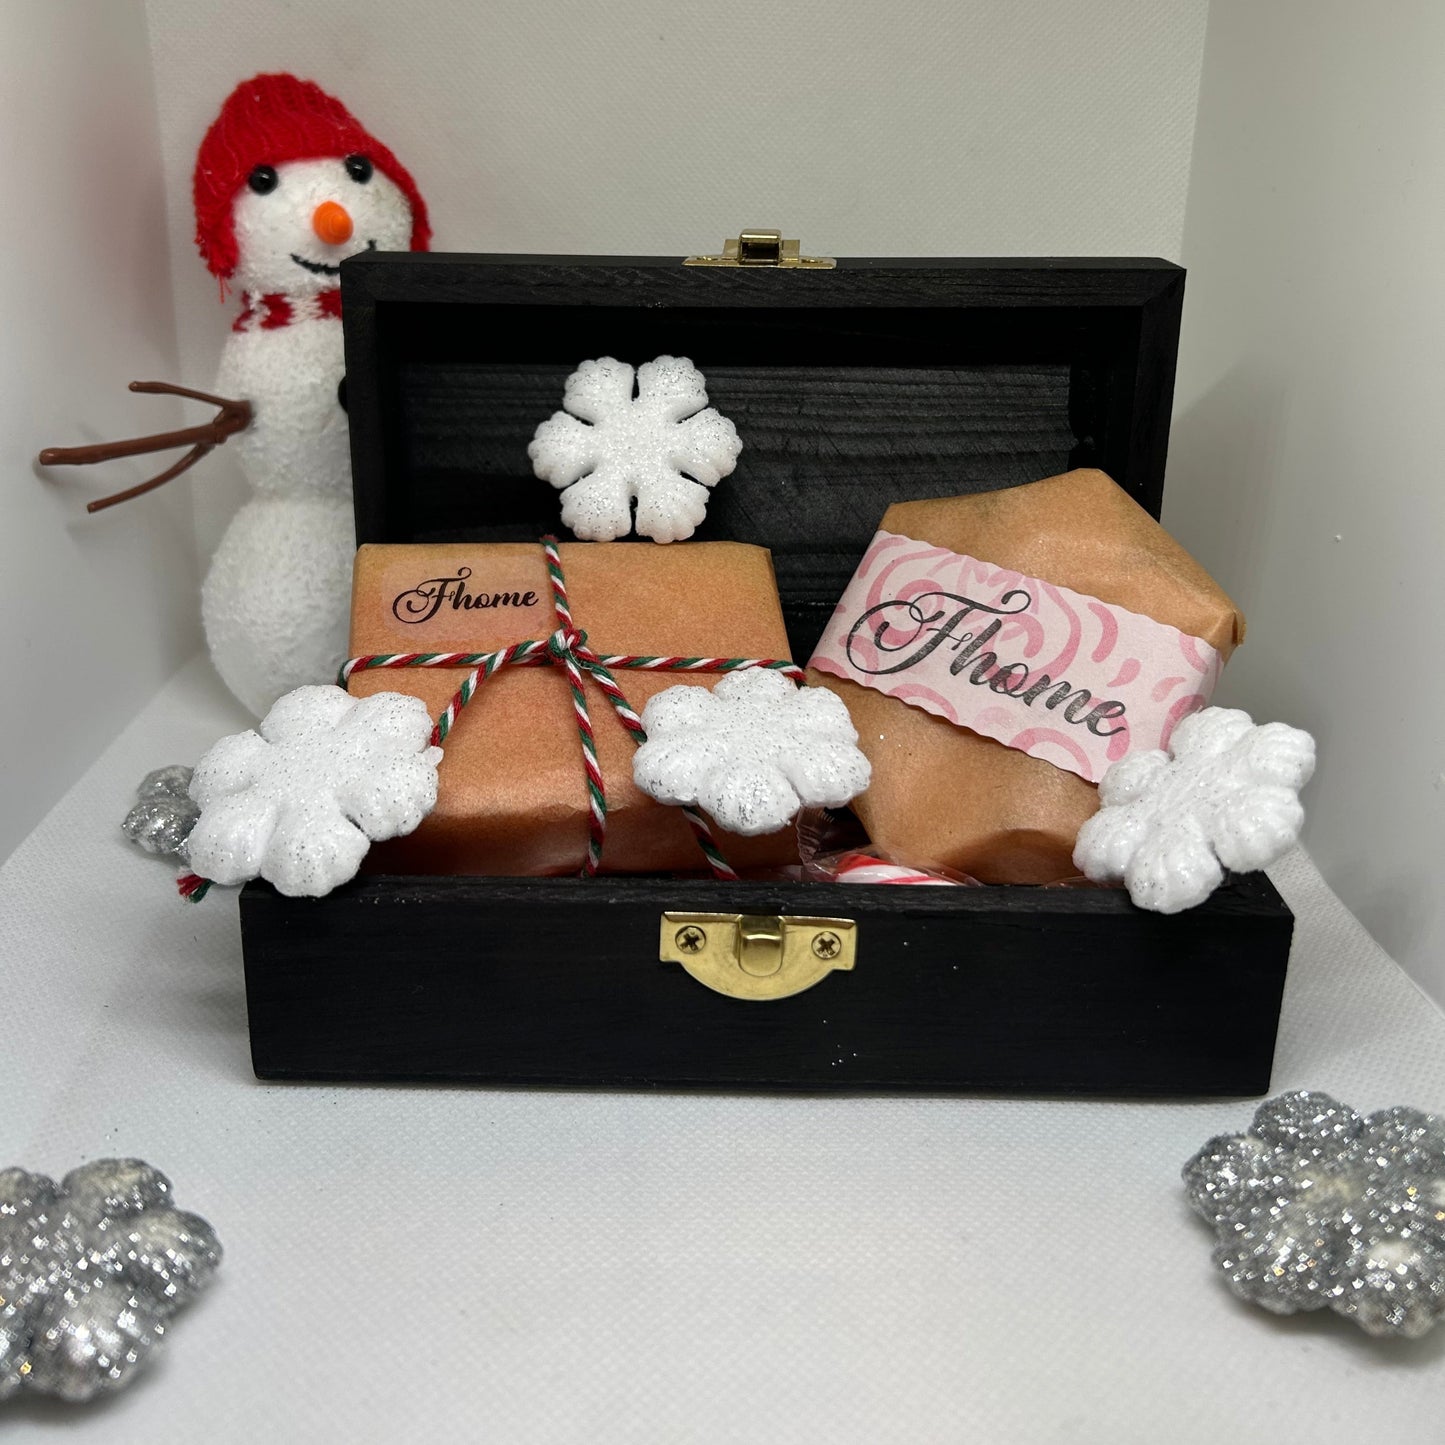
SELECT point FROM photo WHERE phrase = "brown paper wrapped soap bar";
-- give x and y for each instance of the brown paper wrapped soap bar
(997, 652)
(513, 796)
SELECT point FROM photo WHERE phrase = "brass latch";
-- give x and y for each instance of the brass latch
(758, 956)
(756, 247)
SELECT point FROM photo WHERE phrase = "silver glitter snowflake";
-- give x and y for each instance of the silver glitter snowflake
(1317, 1206)
(91, 1271)
(163, 816)
(662, 449)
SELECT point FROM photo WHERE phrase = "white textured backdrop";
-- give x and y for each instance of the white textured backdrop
(1306, 467)
(946, 127)
(98, 611)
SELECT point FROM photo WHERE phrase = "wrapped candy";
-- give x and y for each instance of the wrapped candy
(513, 793)
(999, 651)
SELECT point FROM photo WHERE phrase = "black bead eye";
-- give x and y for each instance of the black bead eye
(359, 169)
(262, 180)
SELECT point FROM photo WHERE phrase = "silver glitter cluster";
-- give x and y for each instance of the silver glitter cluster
(1318, 1206)
(164, 814)
(91, 1270)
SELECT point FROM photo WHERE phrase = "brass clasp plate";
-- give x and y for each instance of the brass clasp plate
(756, 247)
(758, 956)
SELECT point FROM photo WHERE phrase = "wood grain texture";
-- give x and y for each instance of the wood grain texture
(826, 450)
(908, 378)
(557, 981)
(881, 381)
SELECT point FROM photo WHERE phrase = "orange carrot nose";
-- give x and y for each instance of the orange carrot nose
(332, 223)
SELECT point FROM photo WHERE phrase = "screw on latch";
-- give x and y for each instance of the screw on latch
(691, 939)
(827, 945)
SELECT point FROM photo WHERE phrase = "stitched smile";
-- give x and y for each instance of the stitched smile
(320, 268)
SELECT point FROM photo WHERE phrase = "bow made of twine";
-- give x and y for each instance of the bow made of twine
(567, 648)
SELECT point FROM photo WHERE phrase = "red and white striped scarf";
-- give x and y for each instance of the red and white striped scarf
(273, 310)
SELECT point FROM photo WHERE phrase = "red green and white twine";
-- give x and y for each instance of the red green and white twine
(566, 648)
(192, 887)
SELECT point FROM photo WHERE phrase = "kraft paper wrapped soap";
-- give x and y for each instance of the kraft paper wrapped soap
(997, 652)
(513, 796)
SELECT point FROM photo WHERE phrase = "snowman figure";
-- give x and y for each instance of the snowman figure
(287, 185)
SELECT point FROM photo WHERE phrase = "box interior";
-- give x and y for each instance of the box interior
(880, 381)
(843, 408)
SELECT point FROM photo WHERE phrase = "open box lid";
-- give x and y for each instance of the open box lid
(852, 386)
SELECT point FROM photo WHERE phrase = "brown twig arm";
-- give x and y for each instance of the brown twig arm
(141, 488)
(231, 417)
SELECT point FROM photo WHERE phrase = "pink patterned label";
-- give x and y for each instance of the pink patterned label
(1061, 676)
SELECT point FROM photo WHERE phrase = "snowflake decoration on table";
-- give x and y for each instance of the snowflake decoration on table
(1316, 1206)
(300, 801)
(1227, 798)
(91, 1271)
(163, 815)
(662, 448)
(751, 752)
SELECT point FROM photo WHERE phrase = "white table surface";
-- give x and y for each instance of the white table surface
(433, 1264)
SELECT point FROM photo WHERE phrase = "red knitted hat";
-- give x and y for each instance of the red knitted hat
(268, 120)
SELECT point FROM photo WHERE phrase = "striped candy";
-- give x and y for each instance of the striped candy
(864, 868)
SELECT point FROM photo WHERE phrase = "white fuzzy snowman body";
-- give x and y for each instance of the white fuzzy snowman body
(276, 600)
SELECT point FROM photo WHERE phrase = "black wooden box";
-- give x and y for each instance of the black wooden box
(852, 387)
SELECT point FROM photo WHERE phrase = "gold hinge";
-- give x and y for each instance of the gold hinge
(755, 247)
(758, 956)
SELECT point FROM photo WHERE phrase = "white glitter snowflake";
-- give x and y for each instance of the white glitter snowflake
(1316, 1206)
(300, 801)
(751, 752)
(662, 448)
(1227, 798)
